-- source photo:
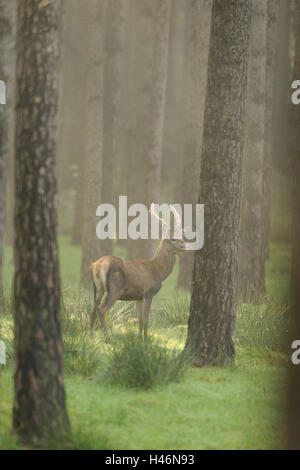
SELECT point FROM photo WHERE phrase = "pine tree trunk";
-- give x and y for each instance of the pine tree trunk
(293, 389)
(111, 102)
(142, 68)
(197, 45)
(7, 20)
(91, 245)
(174, 107)
(39, 412)
(282, 91)
(251, 266)
(74, 29)
(213, 302)
(157, 109)
(79, 200)
(272, 49)
(71, 116)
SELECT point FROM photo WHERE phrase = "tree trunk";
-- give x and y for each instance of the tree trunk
(75, 145)
(173, 140)
(79, 199)
(157, 108)
(142, 68)
(251, 266)
(39, 413)
(282, 93)
(213, 302)
(111, 102)
(7, 21)
(91, 246)
(71, 117)
(197, 46)
(72, 97)
(272, 49)
(293, 389)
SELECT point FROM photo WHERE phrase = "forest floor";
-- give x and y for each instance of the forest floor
(236, 407)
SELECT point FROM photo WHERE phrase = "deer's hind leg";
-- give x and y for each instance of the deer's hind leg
(146, 310)
(115, 288)
(98, 294)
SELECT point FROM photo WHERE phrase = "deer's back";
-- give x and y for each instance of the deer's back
(140, 276)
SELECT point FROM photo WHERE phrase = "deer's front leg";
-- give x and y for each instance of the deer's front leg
(146, 310)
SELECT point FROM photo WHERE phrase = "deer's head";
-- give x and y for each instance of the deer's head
(172, 237)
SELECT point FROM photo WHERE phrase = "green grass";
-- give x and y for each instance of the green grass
(232, 408)
(237, 407)
(137, 364)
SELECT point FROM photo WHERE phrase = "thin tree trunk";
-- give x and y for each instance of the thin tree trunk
(74, 29)
(79, 202)
(71, 116)
(251, 267)
(213, 302)
(91, 246)
(7, 21)
(173, 139)
(272, 49)
(197, 47)
(39, 412)
(111, 102)
(142, 68)
(72, 97)
(157, 109)
(282, 93)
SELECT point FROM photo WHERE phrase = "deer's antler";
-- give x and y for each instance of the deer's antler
(152, 212)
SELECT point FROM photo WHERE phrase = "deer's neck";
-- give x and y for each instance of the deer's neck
(164, 259)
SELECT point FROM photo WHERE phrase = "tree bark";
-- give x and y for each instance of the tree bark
(197, 46)
(213, 302)
(251, 266)
(39, 412)
(7, 22)
(91, 246)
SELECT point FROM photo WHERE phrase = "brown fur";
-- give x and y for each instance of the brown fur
(138, 280)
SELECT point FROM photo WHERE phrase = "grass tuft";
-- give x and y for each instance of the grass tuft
(263, 326)
(137, 364)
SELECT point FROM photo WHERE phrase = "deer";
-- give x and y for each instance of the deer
(136, 280)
